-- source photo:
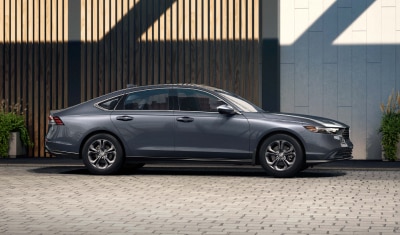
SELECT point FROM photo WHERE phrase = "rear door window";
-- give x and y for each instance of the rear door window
(156, 99)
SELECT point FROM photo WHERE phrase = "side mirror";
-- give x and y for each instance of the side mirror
(226, 109)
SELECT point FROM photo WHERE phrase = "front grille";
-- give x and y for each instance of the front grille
(346, 133)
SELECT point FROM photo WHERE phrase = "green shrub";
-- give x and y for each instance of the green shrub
(390, 126)
(12, 119)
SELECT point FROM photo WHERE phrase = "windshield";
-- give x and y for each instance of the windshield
(239, 102)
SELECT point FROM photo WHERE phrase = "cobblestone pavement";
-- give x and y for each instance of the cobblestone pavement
(188, 200)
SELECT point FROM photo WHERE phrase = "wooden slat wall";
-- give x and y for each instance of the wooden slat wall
(33, 57)
(213, 42)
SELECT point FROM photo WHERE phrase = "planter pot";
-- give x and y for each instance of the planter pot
(15, 147)
(397, 153)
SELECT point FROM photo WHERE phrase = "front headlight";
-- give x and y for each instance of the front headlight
(324, 130)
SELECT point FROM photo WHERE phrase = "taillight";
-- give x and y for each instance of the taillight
(56, 120)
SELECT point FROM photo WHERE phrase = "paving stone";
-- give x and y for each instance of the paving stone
(67, 200)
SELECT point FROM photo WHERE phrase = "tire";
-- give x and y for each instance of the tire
(102, 154)
(281, 156)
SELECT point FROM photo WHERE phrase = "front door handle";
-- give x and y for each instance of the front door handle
(124, 118)
(185, 119)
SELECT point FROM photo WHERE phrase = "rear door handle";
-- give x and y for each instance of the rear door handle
(185, 119)
(124, 118)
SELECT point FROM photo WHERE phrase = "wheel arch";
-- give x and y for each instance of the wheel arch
(256, 159)
(100, 132)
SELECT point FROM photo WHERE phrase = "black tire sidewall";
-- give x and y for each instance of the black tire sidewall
(296, 167)
(115, 167)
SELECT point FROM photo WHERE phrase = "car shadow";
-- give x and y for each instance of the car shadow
(239, 171)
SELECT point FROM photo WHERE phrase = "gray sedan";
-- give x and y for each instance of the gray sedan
(192, 123)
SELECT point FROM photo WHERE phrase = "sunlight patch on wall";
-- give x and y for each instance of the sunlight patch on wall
(33, 21)
(296, 18)
(99, 17)
(378, 23)
(184, 20)
(206, 20)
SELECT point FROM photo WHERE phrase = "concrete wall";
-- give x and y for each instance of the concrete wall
(341, 59)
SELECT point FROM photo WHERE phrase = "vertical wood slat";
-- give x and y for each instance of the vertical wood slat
(125, 43)
(64, 75)
(100, 63)
(18, 57)
(107, 47)
(6, 59)
(95, 50)
(30, 72)
(60, 56)
(118, 45)
(46, 85)
(137, 54)
(89, 30)
(131, 42)
(2, 27)
(35, 86)
(13, 61)
(83, 49)
(24, 52)
(113, 54)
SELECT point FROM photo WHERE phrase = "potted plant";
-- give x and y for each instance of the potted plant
(390, 127)
(12, 128)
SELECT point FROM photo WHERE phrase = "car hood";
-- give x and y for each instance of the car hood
(305, 119)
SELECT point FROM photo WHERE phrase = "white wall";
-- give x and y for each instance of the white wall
(341, 59)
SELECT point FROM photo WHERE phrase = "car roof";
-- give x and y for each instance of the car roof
(131, 88)
(185, 85)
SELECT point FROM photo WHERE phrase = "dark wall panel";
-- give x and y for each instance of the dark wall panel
(120, 42)
(33, 65)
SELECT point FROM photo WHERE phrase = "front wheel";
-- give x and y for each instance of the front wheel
(102, 154)
(281, 156)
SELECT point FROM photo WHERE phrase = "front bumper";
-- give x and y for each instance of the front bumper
(335, 155)
(322, 148)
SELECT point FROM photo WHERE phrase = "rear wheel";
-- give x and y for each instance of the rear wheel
(281, 156)
(102, 154)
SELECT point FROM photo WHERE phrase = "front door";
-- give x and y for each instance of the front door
(201, 133)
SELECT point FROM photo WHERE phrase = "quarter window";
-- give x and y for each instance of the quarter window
(109, 104)
(146, 100)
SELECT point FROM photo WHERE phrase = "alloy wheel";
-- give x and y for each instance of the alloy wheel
(102, 154)
(280, 155)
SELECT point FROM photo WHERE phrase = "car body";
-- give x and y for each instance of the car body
(192, 123)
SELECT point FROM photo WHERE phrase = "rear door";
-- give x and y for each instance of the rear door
(202, 133)
(145, 122)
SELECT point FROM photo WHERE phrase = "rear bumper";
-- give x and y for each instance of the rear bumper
(55, 152)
